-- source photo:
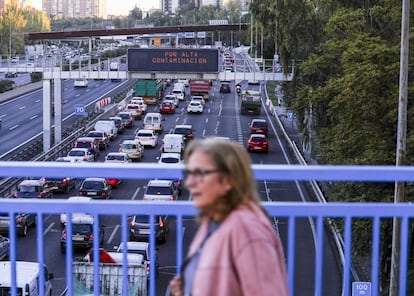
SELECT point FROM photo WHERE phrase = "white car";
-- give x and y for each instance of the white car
(147, 137)
(63, 216)
(117, 157)
(80, 154)
(198, 98)
(171, 98)
(195, 107)
(141, 105)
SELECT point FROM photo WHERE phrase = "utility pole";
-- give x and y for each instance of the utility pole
(401, 145)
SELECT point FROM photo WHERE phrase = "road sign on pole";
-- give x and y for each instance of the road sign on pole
(361, 289)
(80, 110)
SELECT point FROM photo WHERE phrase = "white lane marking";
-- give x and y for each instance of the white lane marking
(134, 196)
(22, 107)
(13, 127)
(4, 115)
(87, 90)
(111, 237)
(37, 101)
(77, 95)
(49, 228)
(33, 117)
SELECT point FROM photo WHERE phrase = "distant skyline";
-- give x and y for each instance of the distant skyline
(118, 7)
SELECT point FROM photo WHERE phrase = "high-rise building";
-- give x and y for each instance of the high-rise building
(75, 8)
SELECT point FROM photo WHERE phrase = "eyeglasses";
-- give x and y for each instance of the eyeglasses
(198, 174)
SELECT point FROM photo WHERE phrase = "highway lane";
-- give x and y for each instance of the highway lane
(22, 118)
(222, 118)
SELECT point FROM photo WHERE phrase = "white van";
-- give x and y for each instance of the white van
(173, 143)
(153, 121)
(27, 278)
(108, 126)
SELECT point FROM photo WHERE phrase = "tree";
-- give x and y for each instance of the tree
(12, 27)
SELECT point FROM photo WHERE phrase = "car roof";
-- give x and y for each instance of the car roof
(174, 136)
(257, 136)
(161, 183)
(145, 131)
(94, 179)
(117, 153)
(130, 142)
(183, 126)
(79, 198)
(31, 182)
(85, 139)
(170, 154)
(259, 119)
(79, 149)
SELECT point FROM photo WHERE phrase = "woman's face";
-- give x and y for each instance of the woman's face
(204, 181)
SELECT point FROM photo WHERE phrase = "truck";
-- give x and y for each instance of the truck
(250, 102)
(200, 88)
(150, 89)
(110, 275)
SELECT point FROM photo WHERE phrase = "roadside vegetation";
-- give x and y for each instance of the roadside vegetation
(347, 74)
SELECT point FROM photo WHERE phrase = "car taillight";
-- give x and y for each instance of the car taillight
(152, 138)
(39, 195)
(81, 193)
(120, 150)
(65, 181)
(85, 158)
(103, 193)
(64, 235)
(132, 223)
(172, 198)
(91, 236)
(160, 222)
(148, 267)
(145, 197)
(20, 220)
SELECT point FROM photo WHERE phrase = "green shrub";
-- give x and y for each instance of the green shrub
(36, 76)
(6, 85)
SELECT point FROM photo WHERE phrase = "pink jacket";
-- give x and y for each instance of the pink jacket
(243, 256)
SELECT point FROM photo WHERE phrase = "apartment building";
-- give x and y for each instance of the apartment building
(75, 8)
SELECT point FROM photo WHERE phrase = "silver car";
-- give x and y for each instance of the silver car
(4, 247)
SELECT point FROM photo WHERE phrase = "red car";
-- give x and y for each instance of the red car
(258, 126)
(258, 142)
(167, 107)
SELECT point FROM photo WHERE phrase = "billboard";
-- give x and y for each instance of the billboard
(191, 60)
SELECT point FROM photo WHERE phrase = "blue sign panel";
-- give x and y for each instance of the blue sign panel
(361, 289)
(80, 110)
(199, 60)
(189, 34)
(201, 34)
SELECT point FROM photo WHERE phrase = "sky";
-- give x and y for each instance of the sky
(118, 7)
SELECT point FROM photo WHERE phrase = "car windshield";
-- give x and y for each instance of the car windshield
(145, 219)
(81, 229)
(258, 139)
(158, 190)
(93, 185)
(129, 146)
(83, 144)
(182, 131)
(115, 157)
(144, 135)
(28, 188)
(259, 124)
(95, 134)
(170, 160)
(76, 153)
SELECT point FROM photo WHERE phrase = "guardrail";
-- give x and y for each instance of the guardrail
(345, 212)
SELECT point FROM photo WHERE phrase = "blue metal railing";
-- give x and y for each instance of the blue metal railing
(291, 211)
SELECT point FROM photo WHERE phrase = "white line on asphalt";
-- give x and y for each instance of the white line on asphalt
(22, 107)
(33, 117)
(111, 237)
(4, 115)
(13, 127)
(136, 193)
(49, 228)
(37, 101)
(77, 95)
